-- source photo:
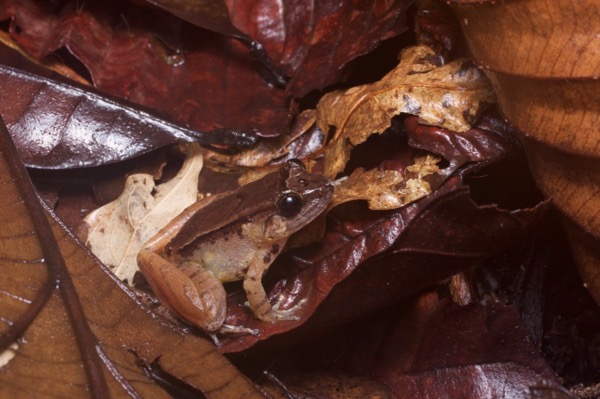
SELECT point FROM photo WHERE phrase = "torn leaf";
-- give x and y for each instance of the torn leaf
(116, 232)
(387, 189)
(450, 96)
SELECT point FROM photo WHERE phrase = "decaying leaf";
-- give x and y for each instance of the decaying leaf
(80, 332)
(449, 96)
(387, 189)
(58, 124)
(554, 101)
(383, 256)
(428, 348)
(312, 41)
(198, 78)
(50, 64)
(117, 231)
(209, 14)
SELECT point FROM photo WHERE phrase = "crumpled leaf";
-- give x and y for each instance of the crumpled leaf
(79, 331)
(116, 232)
(200, 79)
(387, 189)
(449, 96)
(53, 64)
(385, 256)
(312, 41)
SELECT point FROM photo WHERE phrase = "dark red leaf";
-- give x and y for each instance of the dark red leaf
(399, 252)
(429, 352)
(209, 14)
(56, 125)
(201, 79)
(428, 347)
(313, 41)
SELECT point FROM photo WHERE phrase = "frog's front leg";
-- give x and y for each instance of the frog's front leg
(190, 290)
(258, 301)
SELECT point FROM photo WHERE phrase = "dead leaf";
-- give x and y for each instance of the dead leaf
(79, 332)
(325, 385)
(209, 14)
(51, 64)
(449, 96)
(152, 58)
(549, 89)
(302, 141)
(426, 347)
(429, 352)
(116, 232)
(311, 42)
(60, 124)
(387, 189)
(436, 27)
(383, 256)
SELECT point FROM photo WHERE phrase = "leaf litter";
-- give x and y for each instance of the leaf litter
(117, 231)
(423, 228)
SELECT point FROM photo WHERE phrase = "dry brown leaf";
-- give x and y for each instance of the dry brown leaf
(449, 96)
(79, 332)
(116, 232)
(387, 189)
(543, 60)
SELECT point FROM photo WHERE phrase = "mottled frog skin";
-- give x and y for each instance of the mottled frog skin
(234, 237)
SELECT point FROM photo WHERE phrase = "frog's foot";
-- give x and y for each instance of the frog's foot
(277, 314)
(231, 329)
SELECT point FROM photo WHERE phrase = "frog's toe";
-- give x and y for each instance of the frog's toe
(231, 329)
(278, 314)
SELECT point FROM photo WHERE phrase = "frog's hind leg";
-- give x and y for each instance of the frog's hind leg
(194, 293)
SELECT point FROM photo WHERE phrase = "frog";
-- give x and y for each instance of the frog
(235, 236)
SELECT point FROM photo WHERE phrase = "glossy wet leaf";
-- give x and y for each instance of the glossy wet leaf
(57, 124)
(200, 79)
(80, 333)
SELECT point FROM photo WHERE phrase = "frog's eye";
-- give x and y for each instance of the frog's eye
(289, 204)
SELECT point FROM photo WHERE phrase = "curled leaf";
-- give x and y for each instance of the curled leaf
(117, 231)
(554, 101)
(450, 96)
(383, 256)
(301, 141)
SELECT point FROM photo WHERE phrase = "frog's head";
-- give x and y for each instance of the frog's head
(301, 197)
